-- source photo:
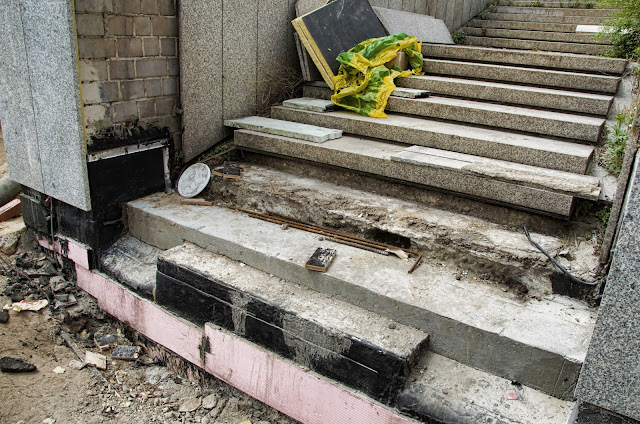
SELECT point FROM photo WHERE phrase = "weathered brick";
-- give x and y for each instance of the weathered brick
(171, 122)
(99, 92)
(92, 70)
(89, 24)
(165, 105)
(168, 46)
(122, 69)
(167, 7)
(132, 89)
(169, 86)
(142, 25)
(119, 25)
(146, 108)
(153, 87)
(151, 46)
(151, 68)
(126, 6)
(149, 7)
(129, 47)
(95, 6)
(173, 67)
(96, 113)
(164, 26)
(96, 48)
(110, 91)
(126, 111)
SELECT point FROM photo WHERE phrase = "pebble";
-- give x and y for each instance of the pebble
(210, 401)
(189, 404)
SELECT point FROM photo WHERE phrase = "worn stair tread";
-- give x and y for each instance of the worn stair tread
(447, 391)
(533, 76)
(521, 34)
(541, 59)
(491, 143)
(577, 185)
(519, 118)
(546, 4)
(286, 128)
(518, 25)
(545, 11)
(464, 321)
(312, 328)
(527, 17)
(375, 158)
(552, 46)
(550, 98)
(133, 263)
(309, 103)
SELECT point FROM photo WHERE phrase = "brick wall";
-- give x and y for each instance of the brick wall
(128, 54)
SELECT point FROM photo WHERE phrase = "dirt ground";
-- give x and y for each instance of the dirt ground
(60, 391)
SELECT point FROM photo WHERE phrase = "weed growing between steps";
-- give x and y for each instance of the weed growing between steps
(616, 143)
(622, 29)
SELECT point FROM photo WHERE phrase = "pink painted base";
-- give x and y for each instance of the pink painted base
(77, 253)
(279, 383)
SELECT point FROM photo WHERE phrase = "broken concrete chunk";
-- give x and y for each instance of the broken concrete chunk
(4, 316)
(210, 401)
(309, 103)
(285, 128)
(189, 404)
(126, 353)
(9, 244)
(97, 360)
(8, 364)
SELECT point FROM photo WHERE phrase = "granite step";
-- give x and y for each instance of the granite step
(550, 46)
(354, 346)
(539, 343)
(534, 121)
(578, 20)
(548, 35)
(547, 98)
(547, 4)
(551, 11)
(485, 142)
(529, 76)
(525, 26)
(519, 186)
(536, 59)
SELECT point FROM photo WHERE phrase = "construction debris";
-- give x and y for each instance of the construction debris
(27, 306)
(193, 180)
(321, 259)
(4, 316)
(95, 359)
(196, 202)
(59, 370)
(8, 364)
(105, 342)
(125, 353)
(10, 210)
(228, 170)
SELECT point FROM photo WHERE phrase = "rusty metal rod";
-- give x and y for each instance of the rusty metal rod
(359, 246)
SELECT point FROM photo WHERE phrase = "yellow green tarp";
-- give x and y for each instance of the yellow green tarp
(363, 83)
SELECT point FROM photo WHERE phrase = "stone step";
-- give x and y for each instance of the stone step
(423, 220)
(485, 142)
(544, 11)
(529, 76)
(550, 46)
(539, 343)
(536, 59)
(520, 186)
(526, 26)
(442, 390)
(547, 4)
(570, 101)
(354, 346)
(534, 121)
(548, 35)
(527, 17)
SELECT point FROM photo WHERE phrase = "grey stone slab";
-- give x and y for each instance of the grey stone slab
(239, 42)
(409, 6)
(308, 103)
(584, 20)
(552, 46)
(410, 93)
(201, 75)
(395, 4)
(610, 377)
(425, 28)
(590, 414)
(522, 34)
(50, 39)
(421, 7)
(305, 6)
(285, 128)
(16, 104)
(451, 15)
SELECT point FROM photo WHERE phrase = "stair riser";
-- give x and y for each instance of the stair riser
(548, 35)
(532, 97)
(416, 136)
(550, 46)
(593, 64)
(560, 4)
(522, 76)
(513, 121)
(380, 374)
(481, 349)
(525, 26)
(578, 20)
(567, 11)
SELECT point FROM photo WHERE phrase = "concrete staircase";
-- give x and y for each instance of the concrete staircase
(484, 330)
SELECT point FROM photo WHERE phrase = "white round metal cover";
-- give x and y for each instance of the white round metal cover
(193, 180)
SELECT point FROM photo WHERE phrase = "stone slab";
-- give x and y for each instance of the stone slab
(410, 93)
(552, 46)
(309, 103)
(523, 34)
(354, 346)
(425, 28)
(201, 73)
(285, 128)
(525, 17)
(464, 322)
(610, 377)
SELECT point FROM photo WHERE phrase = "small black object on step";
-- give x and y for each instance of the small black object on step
(321, 259)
